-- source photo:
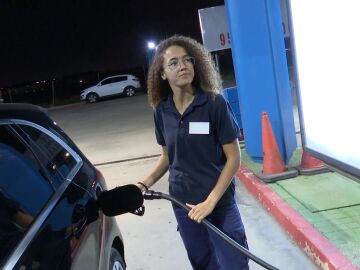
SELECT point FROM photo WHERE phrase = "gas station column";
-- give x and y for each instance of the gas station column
(261, 73)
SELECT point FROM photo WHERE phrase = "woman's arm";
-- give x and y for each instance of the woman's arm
(159, 170)
(202, 210)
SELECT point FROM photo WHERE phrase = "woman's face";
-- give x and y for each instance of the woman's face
(178, 67)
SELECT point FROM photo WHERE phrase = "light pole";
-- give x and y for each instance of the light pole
(53, 91)
(151, 48)
(150, 51)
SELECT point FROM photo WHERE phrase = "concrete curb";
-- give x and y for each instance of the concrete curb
(324, 254)
(64, 106)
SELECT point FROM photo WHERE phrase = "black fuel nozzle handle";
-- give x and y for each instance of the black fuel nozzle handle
(152, 195)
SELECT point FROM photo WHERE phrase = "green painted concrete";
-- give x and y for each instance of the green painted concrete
(330, 202)
(319, 193)
(257, 167)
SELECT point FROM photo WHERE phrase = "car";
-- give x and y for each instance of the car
(48, 191)
(111, 86)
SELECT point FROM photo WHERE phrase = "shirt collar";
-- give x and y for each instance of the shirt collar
(200, 98)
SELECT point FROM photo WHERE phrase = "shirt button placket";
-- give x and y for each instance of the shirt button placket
(181, 139)
(181, 127)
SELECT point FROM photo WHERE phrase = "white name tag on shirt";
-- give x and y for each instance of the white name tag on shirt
(199, 127)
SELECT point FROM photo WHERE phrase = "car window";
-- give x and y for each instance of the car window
(112, 80)
(57, 160)
(107, 81)
(24, 189)
(119, 79)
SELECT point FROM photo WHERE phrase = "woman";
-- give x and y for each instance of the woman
(198, 134)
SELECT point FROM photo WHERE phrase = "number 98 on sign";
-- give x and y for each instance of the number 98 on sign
(224, 39)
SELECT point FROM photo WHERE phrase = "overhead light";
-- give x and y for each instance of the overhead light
(151, 45)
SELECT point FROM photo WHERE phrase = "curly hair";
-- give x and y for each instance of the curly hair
(206, 76)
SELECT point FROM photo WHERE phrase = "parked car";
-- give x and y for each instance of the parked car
(47, 193)
(111, 86)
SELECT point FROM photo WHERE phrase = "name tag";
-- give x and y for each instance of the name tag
(199, 127)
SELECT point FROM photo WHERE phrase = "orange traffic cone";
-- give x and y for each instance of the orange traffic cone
(272, 162)
(311, 165)
(274, 168)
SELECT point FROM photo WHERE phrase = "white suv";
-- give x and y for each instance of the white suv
(115, 85)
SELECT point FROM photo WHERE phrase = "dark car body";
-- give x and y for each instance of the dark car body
(47, 194)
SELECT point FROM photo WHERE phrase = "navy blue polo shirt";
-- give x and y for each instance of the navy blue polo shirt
(194, 141)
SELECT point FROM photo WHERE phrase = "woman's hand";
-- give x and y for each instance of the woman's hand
(200, 211)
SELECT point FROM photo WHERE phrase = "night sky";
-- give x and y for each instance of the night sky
(44, 39)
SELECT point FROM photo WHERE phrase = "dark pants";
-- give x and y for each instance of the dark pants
(205, 249)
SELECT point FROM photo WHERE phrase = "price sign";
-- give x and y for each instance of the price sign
(214, 28)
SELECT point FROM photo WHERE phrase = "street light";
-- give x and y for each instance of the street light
(151, 45)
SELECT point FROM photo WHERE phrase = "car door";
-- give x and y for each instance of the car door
(105, 89)
(50, 188)
(121, 84)
(24, 193)
(115, 87)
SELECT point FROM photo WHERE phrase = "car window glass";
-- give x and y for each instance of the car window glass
(119, 79)
(107, 81)
(86, 171)
(61, 135)
(112, 80)
(24, 189)
(56, 159)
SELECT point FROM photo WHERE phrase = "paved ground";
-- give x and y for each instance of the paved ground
(155, 237)
(123, 128)
(106, 130)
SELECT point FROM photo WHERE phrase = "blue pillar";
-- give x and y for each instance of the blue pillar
(232, 97)
(261, 73)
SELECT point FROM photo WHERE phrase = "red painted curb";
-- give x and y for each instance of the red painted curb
(316, 246)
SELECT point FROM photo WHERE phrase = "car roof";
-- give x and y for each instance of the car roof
(16, 107)
(118, 76)
(22, 111)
